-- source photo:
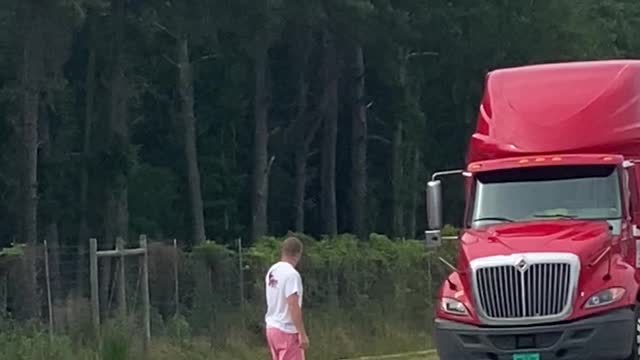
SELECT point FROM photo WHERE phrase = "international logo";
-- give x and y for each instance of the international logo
(522, 265)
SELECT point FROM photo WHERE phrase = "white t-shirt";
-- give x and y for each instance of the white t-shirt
(282, 280)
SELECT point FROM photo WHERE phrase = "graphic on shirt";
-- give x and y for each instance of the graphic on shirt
(273, 282)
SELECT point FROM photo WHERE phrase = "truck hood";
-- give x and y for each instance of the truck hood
(586, 239)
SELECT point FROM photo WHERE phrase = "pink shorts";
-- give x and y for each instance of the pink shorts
(284, 346)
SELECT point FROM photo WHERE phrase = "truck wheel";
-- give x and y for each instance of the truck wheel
(635, 350)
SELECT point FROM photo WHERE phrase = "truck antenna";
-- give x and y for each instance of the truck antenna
(448, 264)
(608, 275)
(452, 286)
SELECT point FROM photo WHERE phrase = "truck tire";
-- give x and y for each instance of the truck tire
(635, 350)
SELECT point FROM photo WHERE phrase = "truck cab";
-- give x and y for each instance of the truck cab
(548, 258)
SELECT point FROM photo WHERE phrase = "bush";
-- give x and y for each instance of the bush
(356, 292)
(34, 344)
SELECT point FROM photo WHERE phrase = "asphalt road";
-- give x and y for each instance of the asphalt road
(423, 355)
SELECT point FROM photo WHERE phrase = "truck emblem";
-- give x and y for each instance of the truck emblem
(522, 265)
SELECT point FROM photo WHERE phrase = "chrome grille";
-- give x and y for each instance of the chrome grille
(525, 288)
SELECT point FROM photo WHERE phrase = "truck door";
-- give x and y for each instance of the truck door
(633, 173)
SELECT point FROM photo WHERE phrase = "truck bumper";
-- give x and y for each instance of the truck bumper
(609, 336)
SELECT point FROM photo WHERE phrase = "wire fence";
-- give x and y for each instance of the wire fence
(217, 292)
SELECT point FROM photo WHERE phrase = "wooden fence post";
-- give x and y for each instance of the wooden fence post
(122, 280)
(145, 291)
(48, 283)
(95, 301)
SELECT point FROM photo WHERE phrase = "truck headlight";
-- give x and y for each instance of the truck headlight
(605, 297)
(454, 307)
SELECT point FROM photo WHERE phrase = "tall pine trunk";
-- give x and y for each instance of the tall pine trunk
(117, 223)
(300, 164)
(89, 113)
(415, 194)
(52, 231)
(31, 77)
(359, 147)
(185, 90)
(397, 181)
(329, 137)
(261, 167)
(299, 135)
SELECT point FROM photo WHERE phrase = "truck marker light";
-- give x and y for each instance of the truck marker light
(524, 161)
(556, 159)
(605, 297)
(607, 158)
(454, 307)
(540, 159)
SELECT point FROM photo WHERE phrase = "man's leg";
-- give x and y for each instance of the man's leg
(273, 339)
(293, 351)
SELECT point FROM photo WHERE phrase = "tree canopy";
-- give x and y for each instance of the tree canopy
(213, 119)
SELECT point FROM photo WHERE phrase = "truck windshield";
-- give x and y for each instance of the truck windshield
(552, 192)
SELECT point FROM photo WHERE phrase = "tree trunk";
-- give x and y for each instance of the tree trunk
(118, 120)
(52, 234)
(397, 181)
(300, 163)
(117, 223)
(261, 138)
(359, 148)
(30, 81)
(416, 194)
(90, 89)
(329, 137)
(30, 140)
(303, 135)
(185, 90)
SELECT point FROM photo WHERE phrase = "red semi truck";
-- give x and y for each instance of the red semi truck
(549, 256)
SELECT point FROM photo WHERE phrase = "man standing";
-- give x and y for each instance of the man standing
(286, 335)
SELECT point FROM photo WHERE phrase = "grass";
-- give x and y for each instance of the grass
(334, 335)
(18, 346)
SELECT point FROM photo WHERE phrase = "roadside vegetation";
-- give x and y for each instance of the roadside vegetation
(362, 298)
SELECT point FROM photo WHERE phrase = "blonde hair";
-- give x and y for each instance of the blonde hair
(292, 246)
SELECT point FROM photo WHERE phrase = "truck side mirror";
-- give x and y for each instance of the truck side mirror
(434, 213)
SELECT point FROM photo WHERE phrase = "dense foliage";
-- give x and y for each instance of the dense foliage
(361, 297)
(201, 119)
(114, 98)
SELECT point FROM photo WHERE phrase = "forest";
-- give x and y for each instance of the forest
(214, 119)
(218, 120)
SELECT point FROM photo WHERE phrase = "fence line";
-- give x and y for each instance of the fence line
(225, 297)
(121, 253)
(48, 281)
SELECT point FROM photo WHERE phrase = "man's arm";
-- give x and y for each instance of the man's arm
(296, 317)
(296, 313)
